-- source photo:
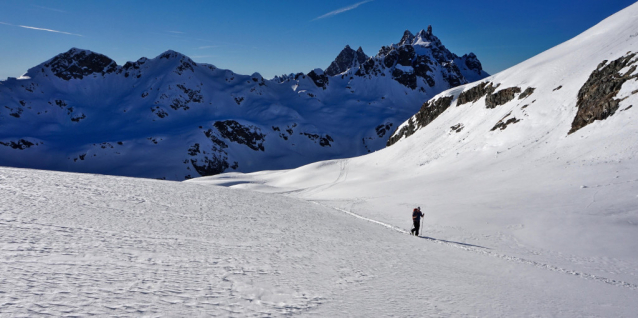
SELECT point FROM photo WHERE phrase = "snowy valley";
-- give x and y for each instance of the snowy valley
(528, 179)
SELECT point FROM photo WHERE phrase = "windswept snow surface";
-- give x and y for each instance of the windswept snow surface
(80, 245)
(556, 213)
(526, 221)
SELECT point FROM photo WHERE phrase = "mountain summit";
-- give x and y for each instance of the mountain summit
(418, 62)
(347, 59)
(169, 117)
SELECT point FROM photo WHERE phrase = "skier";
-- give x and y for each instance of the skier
(416, 220)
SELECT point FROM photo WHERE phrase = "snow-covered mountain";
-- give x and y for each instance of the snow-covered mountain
(538, 163)
(169, 117)
(534, 218)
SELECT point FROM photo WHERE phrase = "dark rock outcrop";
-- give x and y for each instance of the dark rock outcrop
(76, 64)
(78, 118)
(475, 93)
(324, 141)
(492, 99)
(133, 68)
(596, 98)
(21, 144)
(407, 38)
(405, 78)
(209, 166)
(319, 78)
(383, 129)
(502, 124)
(245, 135)
(457, 128)
(218, 144)
(472, 62)
(501, 97)
(14, 112)
(416, 59)
(428, 112)
(345, 60)
(528, 91)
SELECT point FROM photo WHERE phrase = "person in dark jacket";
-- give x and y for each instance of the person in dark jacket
(416, 219)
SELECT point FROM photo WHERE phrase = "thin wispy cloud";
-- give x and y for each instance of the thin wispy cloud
(342, 10)
(50, 9)
(175, 32)
(41, 29)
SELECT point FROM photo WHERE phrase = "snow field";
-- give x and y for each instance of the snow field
(76, 244)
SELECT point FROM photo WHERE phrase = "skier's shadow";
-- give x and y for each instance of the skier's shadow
(452, 242)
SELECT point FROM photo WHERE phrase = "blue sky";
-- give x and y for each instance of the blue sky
(277, 36)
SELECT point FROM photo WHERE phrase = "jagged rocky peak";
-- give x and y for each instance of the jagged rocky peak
(422, 38)
(283, 78)
(185, 62)
(417, 59)
(170, 54)
(77, 63)
(173, 55)
(472, 62)
(407, 38)
(346, 60)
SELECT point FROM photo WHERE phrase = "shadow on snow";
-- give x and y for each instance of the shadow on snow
(452, 242)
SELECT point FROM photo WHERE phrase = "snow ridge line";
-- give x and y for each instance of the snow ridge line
(501, 256)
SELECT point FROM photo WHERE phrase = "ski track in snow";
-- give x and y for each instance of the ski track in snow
(486, 251)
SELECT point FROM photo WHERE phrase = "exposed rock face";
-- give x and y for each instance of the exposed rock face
(596, 97)
(245, 135)
(324, 141)
(457, 128)
(501, 97)
(428, 112)
(475, 93)
(77, 64)
(526, 93)
(346, 60)
(209, 166)
(407, 38)
(472, 62)
(20, 144)
(133, 68)
(414, 62)
(319, 78)
(170, 93)
(410, 68)
(383, 129)
(492, 99)
(502, 124)
(206, 166)
(189, 96)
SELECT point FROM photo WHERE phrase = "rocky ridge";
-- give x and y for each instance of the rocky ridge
(180, 119)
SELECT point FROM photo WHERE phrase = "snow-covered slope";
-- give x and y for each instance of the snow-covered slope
(169, 117)
(538, 162)
(81, 245)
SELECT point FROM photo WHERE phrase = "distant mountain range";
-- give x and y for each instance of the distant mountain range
(171, 118)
